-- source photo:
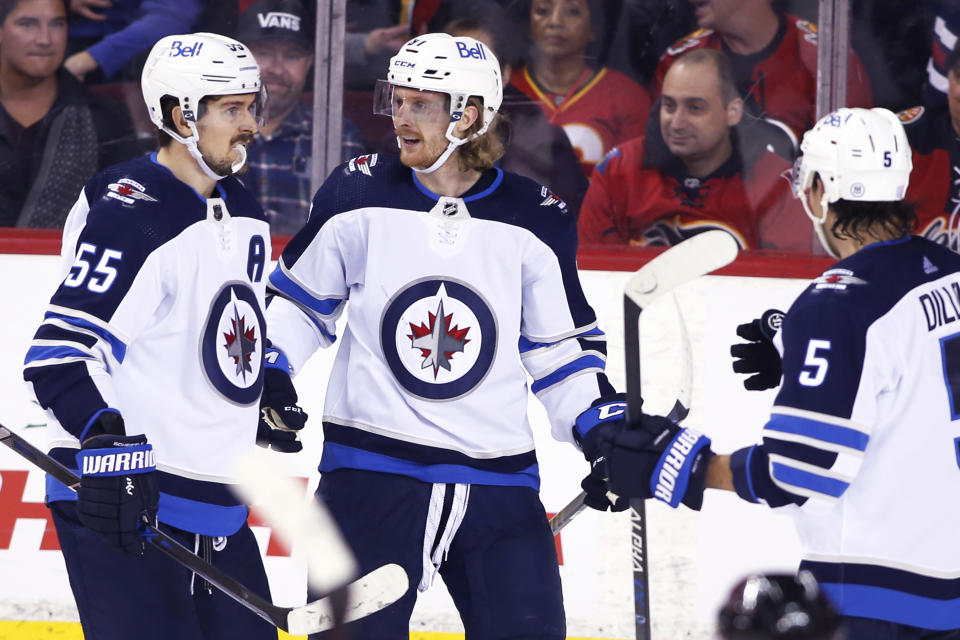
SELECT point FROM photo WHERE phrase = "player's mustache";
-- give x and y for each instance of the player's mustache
(244, 138)
(404, 132)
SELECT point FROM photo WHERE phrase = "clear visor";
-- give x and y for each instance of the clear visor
(414, 104)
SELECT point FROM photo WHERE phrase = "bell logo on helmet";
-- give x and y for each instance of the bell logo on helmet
(178, 50)
(471, 52)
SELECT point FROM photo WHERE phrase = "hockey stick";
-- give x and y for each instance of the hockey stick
(367, 595)
(679, 411)
(695, 257)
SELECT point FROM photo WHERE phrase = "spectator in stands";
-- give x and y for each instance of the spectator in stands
(534, 148)
(598, 108)
(935, 179)
(54, 135)
(280, 35)
(694, 172)
(376, 29)
(774, 58)
(106, 35)
(946, 30)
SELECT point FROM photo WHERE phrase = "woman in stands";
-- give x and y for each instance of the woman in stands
(597, 107)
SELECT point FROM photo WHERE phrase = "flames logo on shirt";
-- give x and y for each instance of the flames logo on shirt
(439, 337)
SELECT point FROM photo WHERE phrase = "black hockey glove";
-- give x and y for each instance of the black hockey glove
(597, 425)
(599, 496)
(758, 356)
(118, 491)
(280, 417)
(660, 460)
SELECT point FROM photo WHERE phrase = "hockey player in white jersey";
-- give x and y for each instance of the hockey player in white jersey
(863, 441)
(461, 279)
(153, 345)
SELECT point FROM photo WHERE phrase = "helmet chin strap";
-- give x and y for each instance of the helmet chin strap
(818, 221)
(452, 143)
(191, 145)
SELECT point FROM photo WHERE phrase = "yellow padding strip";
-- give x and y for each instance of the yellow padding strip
(23, 630)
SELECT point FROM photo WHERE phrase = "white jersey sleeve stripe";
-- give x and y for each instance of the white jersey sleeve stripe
(817, 430)
(118, 346)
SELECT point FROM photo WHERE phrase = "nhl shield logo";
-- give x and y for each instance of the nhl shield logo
(231, 346)
(439, 338)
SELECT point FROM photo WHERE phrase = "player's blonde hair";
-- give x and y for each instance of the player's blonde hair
(482, 152)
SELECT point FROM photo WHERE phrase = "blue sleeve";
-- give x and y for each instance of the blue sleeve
(77, 344)
(158, 18)
(811, 444)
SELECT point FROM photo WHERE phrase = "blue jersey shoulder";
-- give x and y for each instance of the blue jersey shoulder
(825, 331)
(136, 207)
(869, 283)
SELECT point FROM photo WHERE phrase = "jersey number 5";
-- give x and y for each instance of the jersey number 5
(101, 277)
(815, 366)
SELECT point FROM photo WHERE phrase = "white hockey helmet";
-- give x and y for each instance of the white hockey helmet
(861, 155)
(458, 66)
(191, 66)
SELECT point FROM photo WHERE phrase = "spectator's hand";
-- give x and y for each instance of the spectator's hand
(80, 64)
(85, 8)
(386, 40)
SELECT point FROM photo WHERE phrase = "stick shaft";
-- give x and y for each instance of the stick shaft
(638, 515)
(158, 539)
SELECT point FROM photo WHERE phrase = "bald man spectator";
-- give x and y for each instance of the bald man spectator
(774, 58)
(694, 171)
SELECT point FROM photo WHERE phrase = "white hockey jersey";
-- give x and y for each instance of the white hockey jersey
(864, 438)
(160, 316)
(452, 302)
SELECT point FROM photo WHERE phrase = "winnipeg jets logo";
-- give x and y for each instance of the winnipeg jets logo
(241, 343)
(128, 191)
(439, 337)
(363, 164)
(437, 340)
(838, 279)
(550, 198)
(231, 346)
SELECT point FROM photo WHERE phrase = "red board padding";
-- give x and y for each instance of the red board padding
(768, 264)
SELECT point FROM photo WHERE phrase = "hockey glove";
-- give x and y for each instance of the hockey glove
(280, 417)
(758, 356)
(118, 491)
(597, 425)
(599, 496)
(660, 460)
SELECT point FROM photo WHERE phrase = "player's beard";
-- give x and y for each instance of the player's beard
(426, 152)
(224, 166)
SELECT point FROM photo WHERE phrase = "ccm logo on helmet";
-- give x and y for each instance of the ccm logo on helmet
(178, 50)
(471, 52)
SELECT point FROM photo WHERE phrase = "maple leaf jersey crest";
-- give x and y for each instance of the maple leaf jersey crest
(231, 345)
(438, 336)
(437, 340)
